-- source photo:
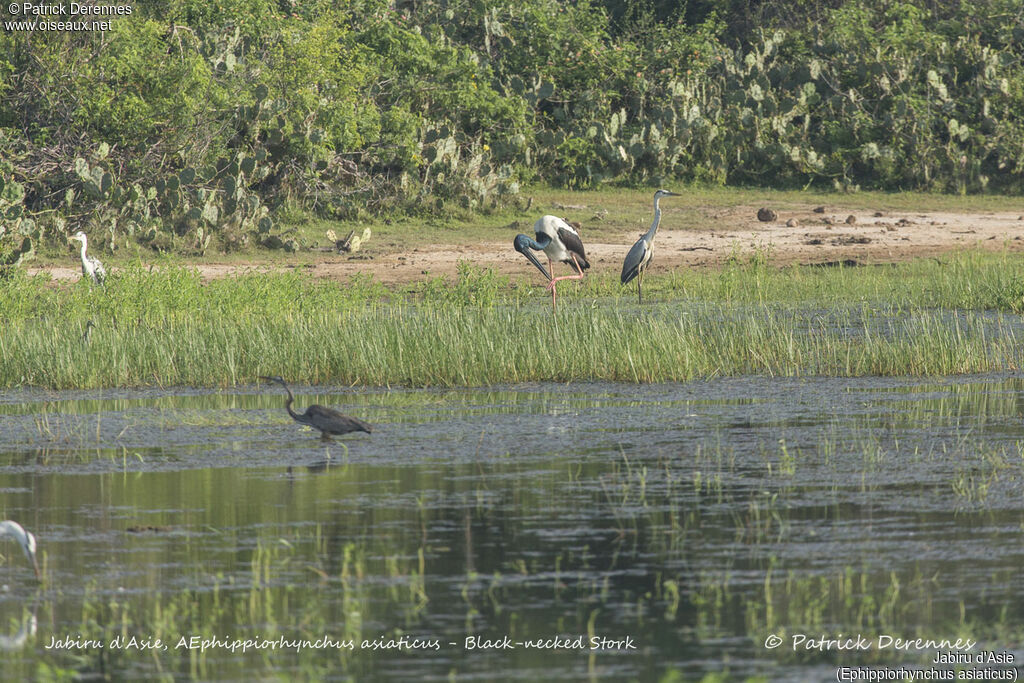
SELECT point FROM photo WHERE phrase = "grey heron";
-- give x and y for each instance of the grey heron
(328, 420)
(91, 266)
(560, 242)
(11, 529)
(639, 255)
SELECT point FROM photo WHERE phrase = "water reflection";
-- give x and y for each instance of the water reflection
(691, 520)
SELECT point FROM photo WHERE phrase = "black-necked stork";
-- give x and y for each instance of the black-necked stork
(640, 254)
(561, 242)
(11, 529)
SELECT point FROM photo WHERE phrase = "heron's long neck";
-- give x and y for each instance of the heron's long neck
(10, 530)
(288, 403)
(84, 259)
(654, 226)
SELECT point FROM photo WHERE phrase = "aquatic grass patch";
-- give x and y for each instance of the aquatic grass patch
(418, 345)
(964, 280)
(168, 327)
(967, 279)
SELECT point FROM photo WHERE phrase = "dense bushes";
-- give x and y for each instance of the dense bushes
(190, 121)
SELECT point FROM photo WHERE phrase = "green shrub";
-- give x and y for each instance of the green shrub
(188, 124)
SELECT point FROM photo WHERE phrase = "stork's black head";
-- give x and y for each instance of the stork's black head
(525, 246)
(522, 243)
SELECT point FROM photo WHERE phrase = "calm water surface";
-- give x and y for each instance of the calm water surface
(684, 523)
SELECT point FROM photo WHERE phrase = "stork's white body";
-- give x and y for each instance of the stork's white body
(561, 243)
(555, 249)
(91, 266)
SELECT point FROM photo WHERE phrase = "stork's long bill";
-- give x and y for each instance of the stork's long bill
(525, 246)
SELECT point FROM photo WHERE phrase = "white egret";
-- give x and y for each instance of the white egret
(29, 626)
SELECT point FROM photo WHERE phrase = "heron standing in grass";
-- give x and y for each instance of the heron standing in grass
(639, 257)
(560, 242)
(328, 420)
(91, 266)
(11, 529)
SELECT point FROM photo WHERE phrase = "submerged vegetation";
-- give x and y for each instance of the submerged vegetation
(165, 327)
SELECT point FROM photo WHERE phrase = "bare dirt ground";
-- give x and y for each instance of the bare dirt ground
(805, 236)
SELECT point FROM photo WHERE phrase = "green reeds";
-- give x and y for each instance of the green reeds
(417, 346)
(168, 328)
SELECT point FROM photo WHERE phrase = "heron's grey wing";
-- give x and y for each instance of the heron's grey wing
(635, 260)
(330, 420)
(99, 270)
(574, 245)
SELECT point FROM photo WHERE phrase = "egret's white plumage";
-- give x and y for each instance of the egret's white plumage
(640, 253)
(11, 529)
(91, 266)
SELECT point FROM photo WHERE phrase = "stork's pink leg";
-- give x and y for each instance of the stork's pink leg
(577, 276)
(551, 285)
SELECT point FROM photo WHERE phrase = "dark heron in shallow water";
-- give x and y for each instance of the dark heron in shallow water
(328, 420)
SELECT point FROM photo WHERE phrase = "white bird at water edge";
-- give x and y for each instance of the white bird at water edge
(11, 529)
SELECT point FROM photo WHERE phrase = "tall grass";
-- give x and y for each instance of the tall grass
(168, 328)
(970, 279)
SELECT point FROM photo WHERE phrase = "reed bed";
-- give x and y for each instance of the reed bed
(168, 328)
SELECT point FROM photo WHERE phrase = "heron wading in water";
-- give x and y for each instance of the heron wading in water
(639, 256)
(328, 420)
(560, 242)
(91, 266)
(11, 529)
